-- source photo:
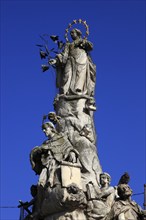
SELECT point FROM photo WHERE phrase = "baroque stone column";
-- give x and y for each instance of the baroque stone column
(67, 162)
(71, 184)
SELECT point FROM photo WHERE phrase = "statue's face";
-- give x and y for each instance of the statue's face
(47, 131)
(73, 35)
(104, 179)
(126, 190)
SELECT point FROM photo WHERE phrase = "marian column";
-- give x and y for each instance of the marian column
(67, 162)
(71, 183)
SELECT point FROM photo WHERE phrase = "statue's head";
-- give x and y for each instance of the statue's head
(105, 178)
(48, 128)
(124, 191)
(75, 33)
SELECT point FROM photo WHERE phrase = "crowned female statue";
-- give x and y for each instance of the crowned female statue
(75, 69)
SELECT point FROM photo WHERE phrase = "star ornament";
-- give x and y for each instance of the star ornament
(87, 32)
(80, 21)
(74, 21)
(69, 25)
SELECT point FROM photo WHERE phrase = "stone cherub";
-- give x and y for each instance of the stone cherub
(75, 69)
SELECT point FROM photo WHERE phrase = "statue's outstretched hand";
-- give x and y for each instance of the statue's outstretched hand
(52, 61)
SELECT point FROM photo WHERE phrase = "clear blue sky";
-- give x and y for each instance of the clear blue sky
(117, 30)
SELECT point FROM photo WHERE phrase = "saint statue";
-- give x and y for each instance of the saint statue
(100, 206)
(46, 159)
(124, 207)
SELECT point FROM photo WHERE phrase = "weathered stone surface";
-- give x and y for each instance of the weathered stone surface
(75, 69)
(77, 214)
(70, 173)
(76, 114)
(71, 183)
(124, 208)
(101, 200)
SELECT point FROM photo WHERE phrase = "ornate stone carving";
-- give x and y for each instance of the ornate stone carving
(100, 200)
(71, 183)
(124, 208)
(59, 186)
(75, 69)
